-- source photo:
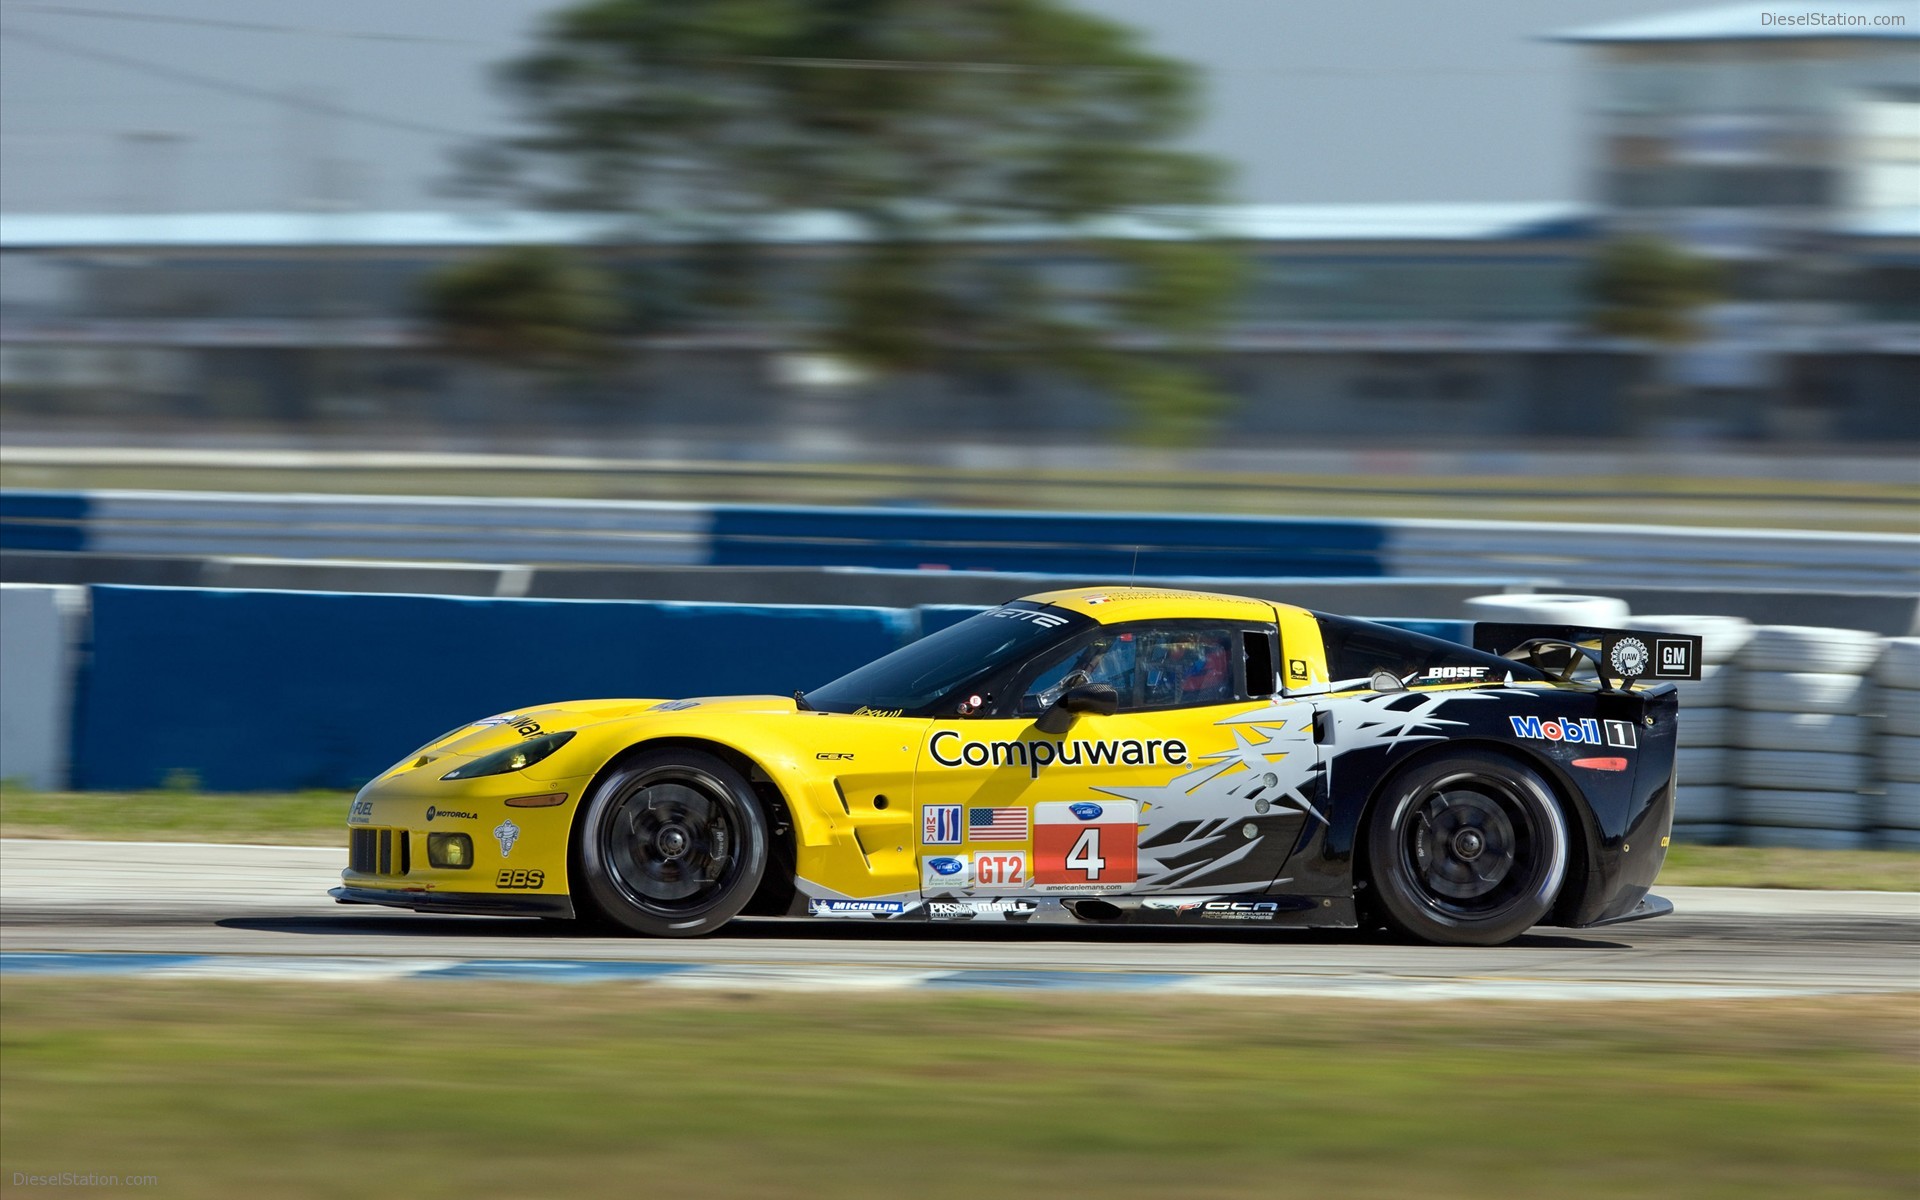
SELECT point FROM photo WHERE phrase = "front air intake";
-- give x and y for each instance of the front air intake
(363, 849)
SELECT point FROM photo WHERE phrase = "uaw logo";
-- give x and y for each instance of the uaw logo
(1630, 657)
(506, 832)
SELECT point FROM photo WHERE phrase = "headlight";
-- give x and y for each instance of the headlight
(450, 850)
(513, 758)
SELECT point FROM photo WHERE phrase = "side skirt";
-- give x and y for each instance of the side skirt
(472, 904)
(1648, 908)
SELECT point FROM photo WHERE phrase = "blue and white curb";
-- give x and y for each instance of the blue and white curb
(768, 977)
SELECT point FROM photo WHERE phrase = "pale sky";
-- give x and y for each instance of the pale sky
(177, 105)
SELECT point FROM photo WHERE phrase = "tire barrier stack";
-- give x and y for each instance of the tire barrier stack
(1802, 759)
(1897, 744)
(1794, 736)
(1548, 608)
(1703, 804)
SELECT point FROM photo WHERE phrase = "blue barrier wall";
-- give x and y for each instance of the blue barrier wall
(43, 520)
(288, 690)
(275, 690)
(1122, 546)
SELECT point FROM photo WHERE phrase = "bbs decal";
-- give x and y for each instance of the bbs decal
(525, 880)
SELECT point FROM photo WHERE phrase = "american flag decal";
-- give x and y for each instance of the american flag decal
(997, 824)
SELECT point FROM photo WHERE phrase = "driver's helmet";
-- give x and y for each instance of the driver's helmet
(1203, 670)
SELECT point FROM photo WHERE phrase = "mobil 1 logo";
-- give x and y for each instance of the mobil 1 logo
(1576, 731)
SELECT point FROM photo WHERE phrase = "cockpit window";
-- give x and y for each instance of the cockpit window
(921, 679)
(1147, 666)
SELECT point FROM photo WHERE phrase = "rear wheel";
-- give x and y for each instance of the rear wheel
(672, 844)
(1470, 850)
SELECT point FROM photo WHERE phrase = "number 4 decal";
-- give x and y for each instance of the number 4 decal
(1085, 846)
(1085, 855)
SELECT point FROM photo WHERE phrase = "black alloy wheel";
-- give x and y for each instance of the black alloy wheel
(1469, 849)
(673, 843)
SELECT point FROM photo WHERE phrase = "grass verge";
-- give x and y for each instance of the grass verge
(298, 819)
(1768, 867)
(319, 819)
(490, 1089)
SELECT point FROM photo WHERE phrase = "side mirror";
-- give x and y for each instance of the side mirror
(1087, 698)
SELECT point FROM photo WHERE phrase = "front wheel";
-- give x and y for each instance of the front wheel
(672, 844)
(1467, 850)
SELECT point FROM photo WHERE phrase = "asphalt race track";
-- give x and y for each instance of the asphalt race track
(187, 910)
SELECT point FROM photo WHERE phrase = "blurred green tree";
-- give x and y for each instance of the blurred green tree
(527, 306)
(932, 140)
(1645, 288)
(1649, 290)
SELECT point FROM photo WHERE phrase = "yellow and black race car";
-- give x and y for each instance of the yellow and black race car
(1119, 755)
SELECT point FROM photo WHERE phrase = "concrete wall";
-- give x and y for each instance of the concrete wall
(40, 630)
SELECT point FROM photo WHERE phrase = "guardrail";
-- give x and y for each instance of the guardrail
(557, 532)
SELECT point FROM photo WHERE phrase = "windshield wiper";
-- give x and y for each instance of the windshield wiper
(800, 702)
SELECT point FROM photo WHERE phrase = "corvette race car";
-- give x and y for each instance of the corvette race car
(1127, 754)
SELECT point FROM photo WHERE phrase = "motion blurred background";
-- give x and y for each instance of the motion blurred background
(366, 367)
(445, 297)
(968, 235)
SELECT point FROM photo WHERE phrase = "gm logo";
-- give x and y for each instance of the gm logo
(1672, 657)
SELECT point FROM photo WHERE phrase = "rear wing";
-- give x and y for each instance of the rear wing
(1620, 657)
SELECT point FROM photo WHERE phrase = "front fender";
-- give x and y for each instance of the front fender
(855, 840)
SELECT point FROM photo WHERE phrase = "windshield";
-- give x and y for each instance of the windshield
(914, 680)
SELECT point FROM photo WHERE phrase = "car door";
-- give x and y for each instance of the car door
(1199, 781)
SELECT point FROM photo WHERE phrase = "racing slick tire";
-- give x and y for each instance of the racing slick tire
(1835, 733)
(1801, 691)
(1704, 727)
(1900, 759)
(1901, 710)
(1721, 637)
(1899, 663)
(1468, 849)
(672, 843)
(1810, 648)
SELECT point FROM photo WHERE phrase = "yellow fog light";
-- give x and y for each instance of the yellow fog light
(453, 851)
